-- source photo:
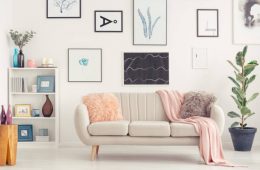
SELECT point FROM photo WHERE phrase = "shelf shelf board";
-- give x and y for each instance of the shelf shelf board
(30, 93)
(34, 144)
(37, 68)
(34, 118)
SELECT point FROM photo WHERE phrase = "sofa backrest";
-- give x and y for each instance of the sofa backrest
(141, 106)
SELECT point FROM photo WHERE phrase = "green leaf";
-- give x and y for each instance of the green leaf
(233, 114)
(240, 59)
(253, 62)
(237, 102)
(240, 78)
(249, 115)
(233, 65)
(253, 97)
(245, 51)
(234, 81)
(245, 110)
(237, 91)
(251, 79)
(249, 68)
(235, 124)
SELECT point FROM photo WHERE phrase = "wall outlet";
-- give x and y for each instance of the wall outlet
(199, 58)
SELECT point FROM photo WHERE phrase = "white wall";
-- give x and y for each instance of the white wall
(55, 36)
(5, 24)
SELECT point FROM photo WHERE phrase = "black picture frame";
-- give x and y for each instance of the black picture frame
(146, 68)
(25, 133)
(101, 66)
(61, 17)
(166, 34)
(110, 21)
(217, 22)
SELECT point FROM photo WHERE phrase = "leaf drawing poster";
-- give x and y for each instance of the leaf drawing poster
(146, 68)
(150, 22)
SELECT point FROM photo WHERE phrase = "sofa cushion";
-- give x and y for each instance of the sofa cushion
(182, 129)
(149, 128)
(109, 128)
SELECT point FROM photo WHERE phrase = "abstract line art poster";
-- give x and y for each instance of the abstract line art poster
(150, 22)
(146, 68)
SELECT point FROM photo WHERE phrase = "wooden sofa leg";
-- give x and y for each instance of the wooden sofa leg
(97, 149)
(94, 152)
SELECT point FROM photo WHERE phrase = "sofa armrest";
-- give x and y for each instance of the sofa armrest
(217, 114)
(81, 121)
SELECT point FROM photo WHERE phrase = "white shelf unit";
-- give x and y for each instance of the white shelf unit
(36, 100)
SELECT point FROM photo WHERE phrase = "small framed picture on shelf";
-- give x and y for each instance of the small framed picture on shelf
(22, 110)
(45, 84)
(25, 133)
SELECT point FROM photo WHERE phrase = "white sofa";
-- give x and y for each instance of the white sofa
(145, 124)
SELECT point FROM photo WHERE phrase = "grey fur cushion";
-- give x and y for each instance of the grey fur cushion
(197, 104)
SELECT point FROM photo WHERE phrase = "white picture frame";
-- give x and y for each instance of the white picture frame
(246, 22)
(108, 21)
(85, 64)
(150, 22)
(63, 8)
(207, 23)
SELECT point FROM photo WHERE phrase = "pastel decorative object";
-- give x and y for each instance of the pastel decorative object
(21, 40)
(47, 108)
(15, 57)
(31, 63)
(3, 116)
(36, 113)
(34, 88)
(8, 144)
(43, 132)
(25, 133)
(103, 107)
(9, 117)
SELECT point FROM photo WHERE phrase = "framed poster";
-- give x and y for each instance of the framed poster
(108, 21)
(146, 68)
(85, 65)
(246, 22)
(63, 8)
(207, 23)
(150, 22)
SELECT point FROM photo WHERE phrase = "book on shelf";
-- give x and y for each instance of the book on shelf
(19, 84)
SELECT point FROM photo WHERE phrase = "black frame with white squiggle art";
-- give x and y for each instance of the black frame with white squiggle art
(146, 68)
(150, 22)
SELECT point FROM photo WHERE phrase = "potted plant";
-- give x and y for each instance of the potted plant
(242, 135)
(21, 40)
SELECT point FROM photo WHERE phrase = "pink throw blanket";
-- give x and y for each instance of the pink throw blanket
(210, 145)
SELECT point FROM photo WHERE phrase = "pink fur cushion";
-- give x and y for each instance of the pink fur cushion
(103, 107)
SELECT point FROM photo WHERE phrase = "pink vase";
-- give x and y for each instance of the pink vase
(3, 116)
(9, 117)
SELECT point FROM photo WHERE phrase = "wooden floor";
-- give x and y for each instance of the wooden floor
(127, 158)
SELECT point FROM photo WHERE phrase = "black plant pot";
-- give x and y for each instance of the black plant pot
(242, 138)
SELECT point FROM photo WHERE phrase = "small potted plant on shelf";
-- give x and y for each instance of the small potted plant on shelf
(242, 135)
(21, 40)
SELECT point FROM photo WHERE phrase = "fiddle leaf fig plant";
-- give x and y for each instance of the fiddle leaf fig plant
(241, 80)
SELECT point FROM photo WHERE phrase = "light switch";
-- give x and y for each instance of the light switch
(199, 58)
